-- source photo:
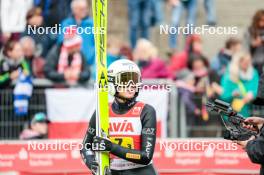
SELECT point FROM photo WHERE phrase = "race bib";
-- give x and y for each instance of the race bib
(126, 142)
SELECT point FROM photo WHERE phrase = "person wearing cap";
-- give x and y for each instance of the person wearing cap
(255, 145)
(38, 128)
(66, 63)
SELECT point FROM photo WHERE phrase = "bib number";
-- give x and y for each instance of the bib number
(126, 142)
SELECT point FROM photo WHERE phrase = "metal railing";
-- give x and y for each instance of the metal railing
(11, 126)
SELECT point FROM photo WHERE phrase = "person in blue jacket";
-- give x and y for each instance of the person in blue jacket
(84, 25)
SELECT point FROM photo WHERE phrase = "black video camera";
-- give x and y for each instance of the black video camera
(232, 120)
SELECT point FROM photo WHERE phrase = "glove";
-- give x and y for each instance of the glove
(101, 144)
(93, 166)
(90, 162)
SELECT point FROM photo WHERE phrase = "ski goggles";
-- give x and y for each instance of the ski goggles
(127, 78)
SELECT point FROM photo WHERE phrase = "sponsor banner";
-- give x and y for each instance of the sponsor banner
(122, 126)
(67, 130)
(172, 156)
(74, 108)
(216, 155)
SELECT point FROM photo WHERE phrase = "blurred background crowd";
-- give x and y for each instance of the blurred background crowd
(68, 59)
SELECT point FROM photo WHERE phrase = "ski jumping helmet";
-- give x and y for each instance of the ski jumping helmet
(123, 73)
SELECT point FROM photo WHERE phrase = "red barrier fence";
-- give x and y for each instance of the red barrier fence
(172, 156)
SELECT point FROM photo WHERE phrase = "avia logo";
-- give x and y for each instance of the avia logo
(124, 126)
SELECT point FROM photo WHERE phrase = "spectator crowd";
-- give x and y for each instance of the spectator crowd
(231, 75)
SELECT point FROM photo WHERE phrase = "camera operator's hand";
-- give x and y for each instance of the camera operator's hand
(254, 123)
(243, 144)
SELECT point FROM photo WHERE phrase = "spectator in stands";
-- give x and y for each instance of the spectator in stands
(44, 41)
(38, 128)
(179, 61)
(51, 8)
(185, 84)
(113, 49)
(254, 40)
(4, 37)
(240, 83)
(206, 88)
(146, 56)
(220, 62)
(209, 6)
(113, 52)
(66, 63)
(12, 63)
(82, 21)
(207, 81)
(35, 62)
(177, 8)
(157, 12)
(127, 51)
(139, 12)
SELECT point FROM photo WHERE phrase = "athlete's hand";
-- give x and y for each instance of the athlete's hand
(89, 160)
(93, 166)
(101, 144)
